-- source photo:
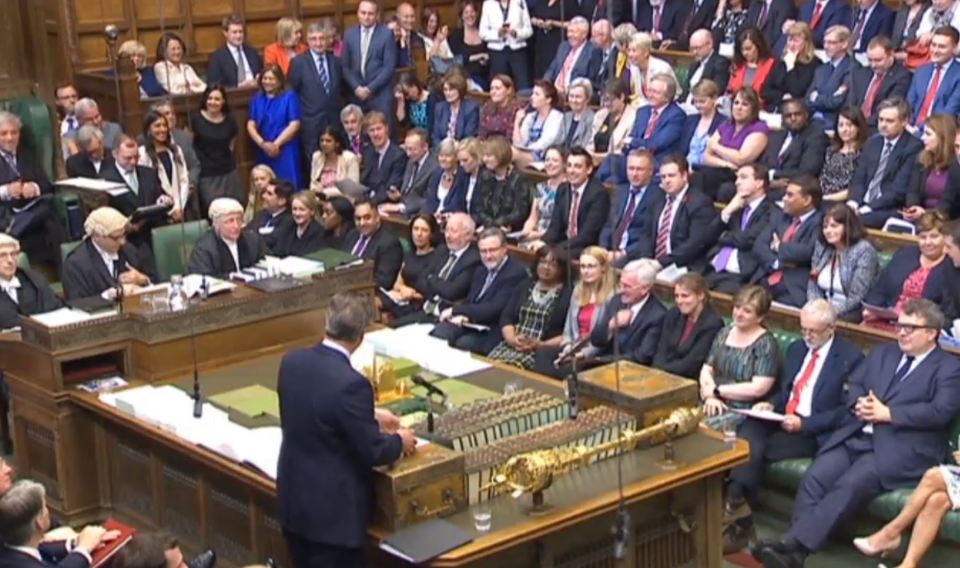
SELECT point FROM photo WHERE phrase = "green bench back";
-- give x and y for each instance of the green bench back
(173, 244)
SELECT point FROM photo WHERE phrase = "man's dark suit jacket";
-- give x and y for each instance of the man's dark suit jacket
(287, 243)
(792, 257)
(672, 15)
(701, 19)
(80, 165)
(212, 257)
(331, 443)
(804, 156)
(638, 341)
(835, 13)
(27, 171)
(889, 285)
(686, 359)
(318, 107)
(951, 294)
(384, 250)
(10, 558)
(922, 405)
(716, 68)
(455, 200)
(592, 214)
(85, 275)
(487, 309)
(414, 188)
(896, 176)
(148, 193)
(379, 177)
(778, 12)
(468, 121)
(637, 224)
(456, 286)
(895, 83)
(33, 297)
(222, 65)
(265, 224)
(689, 234)
(730, 234)
(880, 22)
(827, 406)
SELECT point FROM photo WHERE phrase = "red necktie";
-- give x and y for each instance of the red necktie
(817, 10)
(651, 124)
(663, 232)
(931, 94)
(802, 383)
(867, 106)
(777, 277)
(657, 12)
(574, 209)
(687, 330)
(625, 221)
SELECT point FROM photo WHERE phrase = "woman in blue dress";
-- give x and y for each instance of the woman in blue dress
(273, 122)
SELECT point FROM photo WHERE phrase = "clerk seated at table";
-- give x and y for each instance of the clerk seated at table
(227, 247)
(105, 260)
(24, 291)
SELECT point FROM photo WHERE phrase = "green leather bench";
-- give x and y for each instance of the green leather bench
(172, 245)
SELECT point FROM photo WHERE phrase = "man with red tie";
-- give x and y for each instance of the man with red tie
(581, 208)
(811, 398)
(883, 79)
(659, 125)
(934, 88)
(822, 15)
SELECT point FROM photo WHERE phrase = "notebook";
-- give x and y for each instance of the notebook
(425, 540)
(103, 555)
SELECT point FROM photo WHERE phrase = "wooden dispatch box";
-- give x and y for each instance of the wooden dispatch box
(428, 484)
(648, 393)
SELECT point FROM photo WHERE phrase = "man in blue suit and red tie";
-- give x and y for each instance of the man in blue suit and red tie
(659, 125)
(821, 15)
(622, 234)
(934, 89)
(900, 403)
(369, 60)
(316, 77)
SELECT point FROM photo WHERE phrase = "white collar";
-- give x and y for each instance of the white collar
(8, 284)
(635, 308)
(106, 255)
(919, 358)
(756, 202)
(581, 188)
(806, 216)
(336, 347)
(30, 551)
(824, 349)
(679, 197)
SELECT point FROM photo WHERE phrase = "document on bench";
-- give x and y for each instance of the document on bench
(768, 415)
(93, 184)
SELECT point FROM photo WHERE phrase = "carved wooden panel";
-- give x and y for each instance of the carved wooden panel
(228, 520)
(207, 39)
(42, 457)
(216, 8)
(132, 479)
(181, 500)
(252, 7)
(330, 5)
(270, 542)
(261, 34)
(98, 11)
(150, 10)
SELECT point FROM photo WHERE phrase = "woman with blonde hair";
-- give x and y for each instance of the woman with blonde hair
(642, 68)
(505, 193)
(301, 233)
(149, 87)
(260, 177)
(289, 44)
(793, 74)
(929, 182)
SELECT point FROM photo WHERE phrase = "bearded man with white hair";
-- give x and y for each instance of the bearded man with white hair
(227, 247)
(23, 291)
(104, 259)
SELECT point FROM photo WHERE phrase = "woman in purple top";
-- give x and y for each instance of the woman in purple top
(736, 142)
(928, 184)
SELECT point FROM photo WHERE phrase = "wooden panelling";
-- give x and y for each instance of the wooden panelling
(216, 8)
(98, 11)
(144, 10)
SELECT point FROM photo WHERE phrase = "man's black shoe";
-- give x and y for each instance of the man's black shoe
(206, 559)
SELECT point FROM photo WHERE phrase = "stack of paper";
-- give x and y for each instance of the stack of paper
(194, 283)
(93, 184)
(414, 342)
(251, 401)
(295, 266)
(62, 316)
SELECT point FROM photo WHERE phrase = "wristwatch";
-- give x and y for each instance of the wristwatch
(716, 392)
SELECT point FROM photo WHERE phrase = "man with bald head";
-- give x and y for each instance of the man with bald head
(409, 38)
(707, 64)
(601, 36)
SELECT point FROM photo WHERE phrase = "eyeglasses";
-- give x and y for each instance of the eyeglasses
(908, 328)
(814, 330)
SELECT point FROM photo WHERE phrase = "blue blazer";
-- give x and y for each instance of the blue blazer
(456, 199)
(886, 290)
(827, 407)
(947, 99)
(381, 62)
(879, 23)
(821, 97)
(922, 406)
(835, 13)
(468, 120)
(638, 222)
(316, 104)
(587, 64)
(487, 309)
(222, 65)
(667, 135)
(690, 128)
(331, 442)
(390, 173)
(896, 178)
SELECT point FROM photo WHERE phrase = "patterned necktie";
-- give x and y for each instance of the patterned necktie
(364, 50)
(431, 305)
(632, 200)
(241, 68)
(903, 370)
(487, 282)
(663, 232)
(12, 162)
(133, 182)
(802, 383)
(361, 246)
(452, 125)
(651, 124)
(574, 211)
(322, 70)
(873, 189)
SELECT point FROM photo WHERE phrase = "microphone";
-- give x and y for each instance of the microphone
(197, 397)
(431, 388)
(620, 533)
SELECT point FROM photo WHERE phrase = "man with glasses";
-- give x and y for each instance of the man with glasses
(707, 64)
(900, 403)
(810, 398)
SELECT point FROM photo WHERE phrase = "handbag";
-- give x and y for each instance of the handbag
(918, 55)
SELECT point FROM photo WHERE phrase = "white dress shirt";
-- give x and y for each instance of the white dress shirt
(673, 214)
(10, 288)
(234, 251)
(238, 55)
(733, 263)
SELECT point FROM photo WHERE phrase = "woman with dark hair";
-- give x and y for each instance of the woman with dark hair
(214, 138)
(737, 142)
(843, 154)
(173, 74)
(337, 218)
(332, 163)
(731, 15)
(468, 48)
(273, 123)
(456, 116)
(404, 297)
(930, 182)
(447, 188)
(498, 113)
(414, 102)
(752, 62)
(794, 72)
(613, 123)
(535, 314)
(844, 264)
(161, 153)
(301, 233)
(545, 196)
(688, 329)
(504, 199)
(538, 129)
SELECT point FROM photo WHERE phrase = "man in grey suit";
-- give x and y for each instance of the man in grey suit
(408, 198)
(88, 112)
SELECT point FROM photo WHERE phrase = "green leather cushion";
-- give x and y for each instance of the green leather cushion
(172, 245)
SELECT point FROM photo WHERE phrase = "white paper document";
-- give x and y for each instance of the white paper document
(62, 316)
(93, 184)
(761, 414)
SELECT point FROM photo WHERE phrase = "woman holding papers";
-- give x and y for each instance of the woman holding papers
(913, 272)
(301, 234)
(742, 365)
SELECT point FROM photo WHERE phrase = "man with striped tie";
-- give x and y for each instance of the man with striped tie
(316, 77)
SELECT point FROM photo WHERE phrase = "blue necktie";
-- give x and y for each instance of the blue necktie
(903, 370)
(322, 69)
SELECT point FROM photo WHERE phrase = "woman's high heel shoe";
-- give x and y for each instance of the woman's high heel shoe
(863, 545)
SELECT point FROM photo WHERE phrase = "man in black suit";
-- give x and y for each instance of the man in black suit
(331, 443)
(369, 240)
(226, 248)
(276, 199)
(409, 38)
(581, 209)
(707, 64)
(663, 20)
(235, 64)
(784, 249)
(24, 292)
(104, 260)
(798, 149)
(316, 76)
(489, 292)
(408, 198)
(678, 229)
(143, 190)
(901, 401)
(769, 15)
(92, 157)
(744, 218)
(698, 16)
(631, 318)
(810, 396)
(879, 186)
(383, 162)
(885, 78)
(601, 35)
(447, 281)
(621, 235)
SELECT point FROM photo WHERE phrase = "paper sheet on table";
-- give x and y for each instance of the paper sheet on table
(262, 449)
(192, 283)
(93, 184)
(671, 273)
(62, 316)
(761, 414)
(251, 401)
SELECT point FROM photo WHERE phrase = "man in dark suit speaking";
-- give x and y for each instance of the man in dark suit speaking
(331, 442)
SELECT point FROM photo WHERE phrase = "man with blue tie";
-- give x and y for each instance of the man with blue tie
(628, 215)
(316, 77)
(236, 64)
(828, 91)
(934, 89)
(900, 403)
(369, 60)
(659, 125)
(871, 18)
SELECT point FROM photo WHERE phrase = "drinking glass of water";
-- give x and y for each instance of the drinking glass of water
(482, 518)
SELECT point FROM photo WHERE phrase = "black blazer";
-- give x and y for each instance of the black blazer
(27, 170)
(794, 258)
(222, 65)
(149, 190)
(10, 558)
(637, 224)
(806, 153)
(716, 68)
(896, 177)
(638, 341)
(455, 287)
(85, 275)
(211, 256)
(555, 319)
(730, 234)
(266, 225)
(782, 82)
(895, 83)
(592, 214)
(686, 359)
(487, 309)
(689, 237)
(80, 165)
(827, 406)
(949, 203)
(378, 179)
(503, 203)
(672, 16)
(886, 290)
(287, 243)
(951, 294)
(779, 12)
(384, 250)
(318, 106)
(701, 19)
(33, 297)
(897, 39)
(331, 444)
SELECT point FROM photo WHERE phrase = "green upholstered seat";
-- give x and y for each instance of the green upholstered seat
(23, 261)
(883, 257)
(172, 245)
(683, 76)
(67, 248)
(784, 338)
